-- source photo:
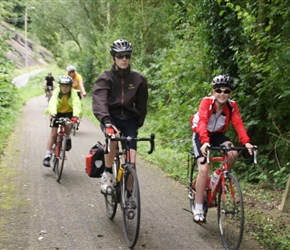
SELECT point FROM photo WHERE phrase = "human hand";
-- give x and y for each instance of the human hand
(249, 146)
(203, 148)
(84, 94)
(74, 119)
(110, 130)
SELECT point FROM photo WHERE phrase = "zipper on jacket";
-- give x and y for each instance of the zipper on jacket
(122, 111)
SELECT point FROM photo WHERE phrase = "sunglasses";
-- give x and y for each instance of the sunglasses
(121, 56)
(72, 71)
(219, 91)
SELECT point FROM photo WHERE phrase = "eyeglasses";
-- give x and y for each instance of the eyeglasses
(219, 91)
(121, 56)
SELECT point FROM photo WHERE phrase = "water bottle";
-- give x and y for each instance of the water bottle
(214, 178)
(120, 172)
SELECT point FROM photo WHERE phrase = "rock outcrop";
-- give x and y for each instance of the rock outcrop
(36, 54)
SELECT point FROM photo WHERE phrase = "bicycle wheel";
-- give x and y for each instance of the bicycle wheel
(111, 204)
(60, 160)
(131, 206)
(73, 128)
(52, 160)
(231, 213)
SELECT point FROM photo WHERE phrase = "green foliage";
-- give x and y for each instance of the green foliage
(8, 95)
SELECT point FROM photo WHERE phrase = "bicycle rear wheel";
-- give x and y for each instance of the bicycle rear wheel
(111, 204)
(111, 201)
(131, 206)
(231, 213)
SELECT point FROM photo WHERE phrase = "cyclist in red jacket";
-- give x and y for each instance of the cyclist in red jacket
(209, 125)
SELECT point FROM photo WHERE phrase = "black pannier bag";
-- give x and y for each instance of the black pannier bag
(95, 164)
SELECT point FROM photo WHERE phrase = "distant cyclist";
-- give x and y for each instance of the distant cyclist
(49, 83)
(209, 124)
(64, 103)
(78, 84)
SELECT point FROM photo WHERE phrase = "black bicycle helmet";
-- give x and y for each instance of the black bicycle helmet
(223, 81)
(65, 80)
(120, 45)
(70, 68)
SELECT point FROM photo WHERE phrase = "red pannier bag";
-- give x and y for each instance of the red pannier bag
(95, 164)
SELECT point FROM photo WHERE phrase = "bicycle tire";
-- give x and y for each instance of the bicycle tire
(73, 128)
(111, 204)
(52, 160)
(60, 160)
(111, 201)
(231, 213)
(131, 207)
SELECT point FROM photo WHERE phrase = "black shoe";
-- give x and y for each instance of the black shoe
(46, 161)
(68, 145)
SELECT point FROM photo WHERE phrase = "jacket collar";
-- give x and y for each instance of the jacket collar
(121, 72)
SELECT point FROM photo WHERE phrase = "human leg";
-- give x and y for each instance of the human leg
(50, 142)
(233, 155)
(203, 171)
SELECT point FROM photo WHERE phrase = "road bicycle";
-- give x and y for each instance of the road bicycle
(58, 155)
(48, 90)
(226, 195)
(74, 126)
(125, 188)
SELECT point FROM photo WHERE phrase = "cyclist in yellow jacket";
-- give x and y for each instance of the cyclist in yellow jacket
(63, 103)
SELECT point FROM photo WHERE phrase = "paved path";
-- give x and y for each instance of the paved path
(21, 81)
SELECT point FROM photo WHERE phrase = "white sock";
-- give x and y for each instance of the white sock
(199, 207)
(48, 153)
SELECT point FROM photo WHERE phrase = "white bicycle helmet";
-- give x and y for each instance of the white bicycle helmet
(223, 81)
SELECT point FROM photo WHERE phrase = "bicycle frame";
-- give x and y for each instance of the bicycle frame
(59, 150)
(226, 195)
(125, 188)
(59, 138)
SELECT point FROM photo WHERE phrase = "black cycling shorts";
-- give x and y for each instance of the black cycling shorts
(128, 127)
(215, 140)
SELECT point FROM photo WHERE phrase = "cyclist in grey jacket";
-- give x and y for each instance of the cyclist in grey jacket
(120, 103)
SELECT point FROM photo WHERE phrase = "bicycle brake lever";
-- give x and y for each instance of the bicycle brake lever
(108, 144)
(152, 144)
(255, 154)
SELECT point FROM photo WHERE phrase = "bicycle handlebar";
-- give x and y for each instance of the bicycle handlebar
(225, 149)
(128, 139)
(60, 120)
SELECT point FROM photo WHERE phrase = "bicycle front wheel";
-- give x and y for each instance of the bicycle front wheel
(131, 206)
(60, 161)
(73, 128)
(231, 213)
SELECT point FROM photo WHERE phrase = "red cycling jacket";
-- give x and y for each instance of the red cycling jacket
(205, 122)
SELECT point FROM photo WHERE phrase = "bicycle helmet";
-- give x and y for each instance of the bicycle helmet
(120, 45)
(49, 73)
(65, 80)
(71, 68)
(223, 81)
